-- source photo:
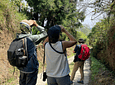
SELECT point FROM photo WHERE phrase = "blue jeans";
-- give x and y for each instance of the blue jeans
(58, 81)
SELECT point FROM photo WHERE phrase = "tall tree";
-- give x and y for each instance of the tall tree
(52, 12)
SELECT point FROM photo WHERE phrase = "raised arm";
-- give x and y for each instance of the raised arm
(40, 28)
(67, 44)
(46, 40)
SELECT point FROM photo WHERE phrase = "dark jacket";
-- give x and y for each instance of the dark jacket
(77, 51)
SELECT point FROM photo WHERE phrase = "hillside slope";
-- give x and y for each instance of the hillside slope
(9, 25)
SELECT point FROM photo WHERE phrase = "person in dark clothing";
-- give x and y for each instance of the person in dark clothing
(78, 63)
(28, 74)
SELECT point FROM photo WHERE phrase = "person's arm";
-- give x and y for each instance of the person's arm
(40, 28)
(46, 40)
(67, 33)
(67, 44)
(38, 38)
(74, 51)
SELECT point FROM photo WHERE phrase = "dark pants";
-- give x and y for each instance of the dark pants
(58, 81)
(28, 78)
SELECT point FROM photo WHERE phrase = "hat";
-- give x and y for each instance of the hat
(81, 40)
(24, 27)
(53, 33)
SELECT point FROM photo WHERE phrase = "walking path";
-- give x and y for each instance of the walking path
(77, 76)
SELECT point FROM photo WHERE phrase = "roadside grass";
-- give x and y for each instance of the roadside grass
(71, 67)
(70, 55)
(9, 81)
(41, 67)
(95, 66)
(70, 52)
(100, 74)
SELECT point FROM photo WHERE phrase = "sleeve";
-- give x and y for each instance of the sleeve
(38, 38)
(40, 28)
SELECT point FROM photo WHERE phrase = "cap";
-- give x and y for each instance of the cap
(24, 27)
(54, 31)
(27, 25)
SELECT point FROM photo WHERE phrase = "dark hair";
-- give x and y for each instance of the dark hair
(53, 33)
(53, 40)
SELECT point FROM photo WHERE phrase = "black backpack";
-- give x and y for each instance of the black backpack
(17, 53)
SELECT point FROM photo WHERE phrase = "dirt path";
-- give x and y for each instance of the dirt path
(77, 76)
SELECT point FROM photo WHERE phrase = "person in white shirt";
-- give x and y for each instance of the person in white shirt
(57, 68)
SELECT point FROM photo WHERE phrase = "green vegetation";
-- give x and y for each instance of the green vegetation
(95, 67)
(41, 66)
(53, 12)
(9, 17)
(10, 80)
(70, 55)
(70, 52)
(102, 40)
(100, 74)
(99, 32)
(71, 67)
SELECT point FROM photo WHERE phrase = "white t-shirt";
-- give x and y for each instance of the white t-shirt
(57, 64)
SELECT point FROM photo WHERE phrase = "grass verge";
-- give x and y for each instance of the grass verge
(95, 66)
(100, 75)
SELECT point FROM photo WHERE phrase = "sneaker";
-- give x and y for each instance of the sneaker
(71, 82)
(80, 82)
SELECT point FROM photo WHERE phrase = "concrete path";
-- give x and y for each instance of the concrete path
(77, 76)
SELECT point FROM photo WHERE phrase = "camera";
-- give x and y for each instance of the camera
(44, 76)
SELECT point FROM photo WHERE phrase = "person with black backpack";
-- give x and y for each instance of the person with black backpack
(82, 53)
(22, 52)
(57, 67)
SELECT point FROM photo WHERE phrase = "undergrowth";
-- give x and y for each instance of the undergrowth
(100, 74)
(95, 66)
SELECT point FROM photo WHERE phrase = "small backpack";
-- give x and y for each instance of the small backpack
(84, 53)
(17, 53)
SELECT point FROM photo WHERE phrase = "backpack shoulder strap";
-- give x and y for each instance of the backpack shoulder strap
(23, 45)
(44, 57)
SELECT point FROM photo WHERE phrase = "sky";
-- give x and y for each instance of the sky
(88, 21)
(89, 14)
